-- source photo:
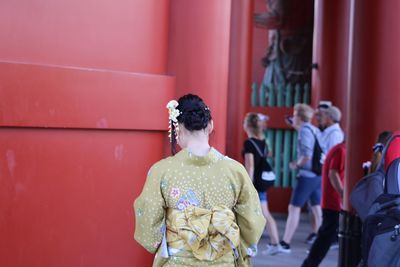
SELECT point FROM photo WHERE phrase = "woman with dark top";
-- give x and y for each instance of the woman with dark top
(255, 153)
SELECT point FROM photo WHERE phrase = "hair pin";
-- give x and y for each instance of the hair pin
(173, 113)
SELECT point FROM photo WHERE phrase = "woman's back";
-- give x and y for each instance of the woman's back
(214, 185)
(190, 180)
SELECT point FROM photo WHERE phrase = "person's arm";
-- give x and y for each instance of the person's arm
(334, 178)
(249, 216)
(150, 211)
(300, 162)
(249, 164)
(303, 160)
(306, 148)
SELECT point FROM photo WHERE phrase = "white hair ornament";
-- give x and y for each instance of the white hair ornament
(173, 118)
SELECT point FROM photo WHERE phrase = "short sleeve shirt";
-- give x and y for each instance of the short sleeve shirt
(305, 147)
(330, 137)
(248, 147)
(334, 160)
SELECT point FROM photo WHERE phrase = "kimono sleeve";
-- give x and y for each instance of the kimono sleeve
(249, 215)
(150, 212)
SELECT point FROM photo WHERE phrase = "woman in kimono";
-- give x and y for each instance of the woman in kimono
(198, 207)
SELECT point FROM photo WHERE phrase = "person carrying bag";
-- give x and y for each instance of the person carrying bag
(266, 177)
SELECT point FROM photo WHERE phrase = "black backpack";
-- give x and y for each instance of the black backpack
(380, 240)
(376, 199)
(316, 165)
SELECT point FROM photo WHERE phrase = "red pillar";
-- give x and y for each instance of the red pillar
(329, 81)
(239, 75)
(259, 45)
(199, 56)
(373, 103)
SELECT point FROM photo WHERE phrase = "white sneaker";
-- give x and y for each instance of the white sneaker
(284, 250)
(284, 247)
(273, 249)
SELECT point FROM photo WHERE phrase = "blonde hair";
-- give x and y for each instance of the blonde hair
(254, 122)
(304, 111)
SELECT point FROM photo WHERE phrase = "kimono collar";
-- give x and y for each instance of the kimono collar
(212, 156)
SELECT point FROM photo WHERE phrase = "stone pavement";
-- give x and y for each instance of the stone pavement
(298, 247)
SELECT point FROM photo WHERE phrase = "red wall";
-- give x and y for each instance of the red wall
(125, 35)
(66, 196)
(83, 88)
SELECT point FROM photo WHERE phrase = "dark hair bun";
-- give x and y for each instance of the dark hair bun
(195, 115)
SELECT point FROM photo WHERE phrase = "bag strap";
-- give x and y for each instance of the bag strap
(312, 132)
(258, 149)
(315, 136)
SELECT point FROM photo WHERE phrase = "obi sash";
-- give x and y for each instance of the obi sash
(202, 233)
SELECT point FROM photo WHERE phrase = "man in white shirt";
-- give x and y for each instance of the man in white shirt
(328, 118)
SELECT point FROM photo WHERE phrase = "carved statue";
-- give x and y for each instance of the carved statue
(289, 55)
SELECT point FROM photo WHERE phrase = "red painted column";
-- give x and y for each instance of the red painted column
(259, 44)
(239, 75)
(331, 30)
(373, 102)
(199, 56)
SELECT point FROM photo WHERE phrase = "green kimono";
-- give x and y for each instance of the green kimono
(199, 211)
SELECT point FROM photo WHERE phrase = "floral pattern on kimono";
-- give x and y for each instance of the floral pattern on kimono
(185, 181)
